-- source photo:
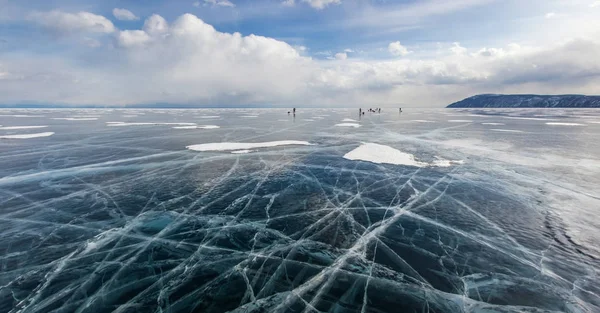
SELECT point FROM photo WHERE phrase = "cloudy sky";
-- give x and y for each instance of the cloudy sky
(329, 53)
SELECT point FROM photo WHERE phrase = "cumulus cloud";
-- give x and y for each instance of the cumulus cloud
(550, 15)
(397, 49)
(131, 38)
(64, 22)
(595, 4)
(321, 4)
(155, 25)
(189, 62)
(288, 3)
(458, 49)
(341, 56)
(124, 15)
(220, 3)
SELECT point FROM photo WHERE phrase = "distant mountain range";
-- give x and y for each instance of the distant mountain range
(528, 101)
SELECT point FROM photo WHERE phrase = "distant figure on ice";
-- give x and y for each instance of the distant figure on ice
(288, 112)
(379, 110)
(294, 110)
(399, 110)
(359, 111)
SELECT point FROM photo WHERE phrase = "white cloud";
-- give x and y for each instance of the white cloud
(457, 48)
(321, 4)
(341, 56)
(131, 38)
(64, 22)
(288, 3)
(550, 15)
(124, 15)
(196, 4)
(397, 49)
(189, 62)
(220, 3)
(349, 51)
(595, 4)
(91, 42)
(155, 24)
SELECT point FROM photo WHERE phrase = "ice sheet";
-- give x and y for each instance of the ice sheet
(104, 219)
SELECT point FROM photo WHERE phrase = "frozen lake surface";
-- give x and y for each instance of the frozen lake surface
(255, 210)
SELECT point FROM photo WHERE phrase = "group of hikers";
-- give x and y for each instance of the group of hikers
(360, 111)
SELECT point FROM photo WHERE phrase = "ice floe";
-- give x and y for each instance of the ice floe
(229, 146)
(21, 127)
(27, 136)
(355, 125)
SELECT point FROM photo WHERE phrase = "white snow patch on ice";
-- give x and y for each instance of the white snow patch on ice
(349, 120)
(210, 116)
(20, 115)
(27, 136)
(529, 118)
(564, 124)
(460, 121)
(76, 118)
(355, 125)
(506, 130)
(381, 154)
(115, 124)
(376, 153)
(493, 124)
(21, 127)
(229, 146)
(421, 121)
(439, 162)
(241, 151)
(197, 127)
(249, 116)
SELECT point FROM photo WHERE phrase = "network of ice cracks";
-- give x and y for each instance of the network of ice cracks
(294, 229)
